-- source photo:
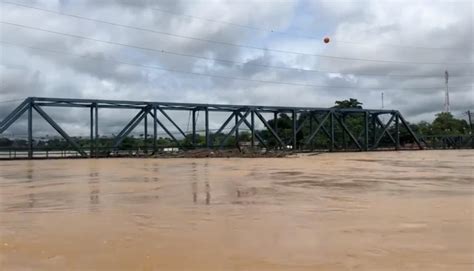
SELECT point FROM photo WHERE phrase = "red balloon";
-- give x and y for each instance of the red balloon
(326, 40)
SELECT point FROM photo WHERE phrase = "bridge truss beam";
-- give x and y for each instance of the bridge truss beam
(328, 129)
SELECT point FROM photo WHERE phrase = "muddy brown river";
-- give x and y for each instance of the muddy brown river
(342, 211)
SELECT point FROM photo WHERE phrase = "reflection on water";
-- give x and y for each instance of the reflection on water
(208, 193)
(47, 183)
(29, 171)
(248, 214)
(94, 197)
(56, 185)
(94, 188)
(31, 200)
(194, 191)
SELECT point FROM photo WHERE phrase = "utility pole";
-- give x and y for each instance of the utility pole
(446, 98)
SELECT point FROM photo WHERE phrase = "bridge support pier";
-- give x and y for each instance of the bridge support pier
(30, 130)
(91, 138)
(366, 130)
(145, 131)
(252, 128)
(294, 127)
(96, 129)
(236, 128)
(397, 131)
(155, 132)
(194, 128)
(206, 125)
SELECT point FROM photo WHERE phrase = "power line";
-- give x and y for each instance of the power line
(255, 28)
(10, 101)
(202, 57)
(235, 44)
(305, 36)
(192, 56)
(205, 74)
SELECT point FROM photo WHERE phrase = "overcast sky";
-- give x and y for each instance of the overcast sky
(401, 48)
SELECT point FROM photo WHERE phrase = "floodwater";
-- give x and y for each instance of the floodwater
(343, 211)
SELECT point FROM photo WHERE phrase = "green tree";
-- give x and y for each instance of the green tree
(422, 128)
(446, 124)
(351, 103)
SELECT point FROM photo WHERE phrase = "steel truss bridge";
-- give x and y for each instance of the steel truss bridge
(463, 141)
(307, 124)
